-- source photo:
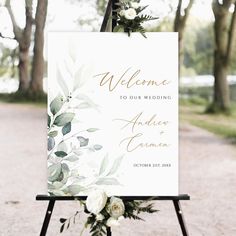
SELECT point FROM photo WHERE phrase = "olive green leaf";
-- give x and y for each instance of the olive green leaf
(90, 130)
(64, 118)
(66, 128)
(56, 104)
(53, 134)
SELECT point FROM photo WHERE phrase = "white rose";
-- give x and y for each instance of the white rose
(116, 207)
(122, 13)
(130, 14)
(100, 217)
(96, 201)
(112, 222)
(134, 5)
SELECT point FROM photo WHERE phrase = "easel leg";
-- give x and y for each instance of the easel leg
(108, 231)
(47, 218)
(180, 216)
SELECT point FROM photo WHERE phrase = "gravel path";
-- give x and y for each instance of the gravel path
(208, 174)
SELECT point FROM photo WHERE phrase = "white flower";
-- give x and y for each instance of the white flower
(99, 217)
(96, 201)
(116, 207)
(134, 5)
(122, 13)
(130, 14)
(112, 222)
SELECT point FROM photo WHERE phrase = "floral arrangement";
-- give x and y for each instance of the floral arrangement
(130, 18)
(107, 212)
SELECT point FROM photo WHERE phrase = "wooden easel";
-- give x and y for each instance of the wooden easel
(52, 199)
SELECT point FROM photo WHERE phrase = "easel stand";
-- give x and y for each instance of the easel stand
(176, 201)
(52, 199)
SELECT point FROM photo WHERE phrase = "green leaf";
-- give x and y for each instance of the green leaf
(97, 147)
(90, 130)
(60, 154)
(66, 128)
(49, 121)
(64, 118)
(119, 28)
(107, 181)
(104, 164)
(116, 165)
(54, 172)
(83, 141)
(53, 134)
(56, 104)
(72, 158)
(51, 143)
(62, 147)
(74, 189)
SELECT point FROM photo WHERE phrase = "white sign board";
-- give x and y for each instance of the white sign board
(113, 113)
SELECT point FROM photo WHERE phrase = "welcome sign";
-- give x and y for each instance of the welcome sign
(113, 113)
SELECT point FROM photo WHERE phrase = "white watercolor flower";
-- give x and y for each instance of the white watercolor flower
(116, 207)
(96, 201)
(134, 5)
(111, 222)
(130, 14)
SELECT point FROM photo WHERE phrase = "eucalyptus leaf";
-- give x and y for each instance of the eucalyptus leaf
(107, 181)
(90, 130)
(60, 154)
(74, 189)
(56, 104)
(62, 147)
(97, 147)
(66, 128)
(83, 141)
(116, 165)
(51, 143)
(49, 120)
(53, 134)
(65, 170)
(64, 118)
(72, 158)
(104, 164)
(54, 172)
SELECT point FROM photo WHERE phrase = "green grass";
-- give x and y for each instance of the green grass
(220, 124)
(20, 98)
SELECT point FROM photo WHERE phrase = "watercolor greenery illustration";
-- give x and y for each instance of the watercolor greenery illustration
(68, 146)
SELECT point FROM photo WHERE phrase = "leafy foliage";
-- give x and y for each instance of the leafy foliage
(131, 25)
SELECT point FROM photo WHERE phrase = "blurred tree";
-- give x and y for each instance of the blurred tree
(36, 84)
(224, 29)
(23, 37)
(181, 17)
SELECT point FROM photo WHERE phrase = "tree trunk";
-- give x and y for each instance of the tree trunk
(180, 24)
(224, 37)
(221, 87)
(36, 85)
(23, 69)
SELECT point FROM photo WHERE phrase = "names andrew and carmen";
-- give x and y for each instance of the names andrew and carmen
(133, 142)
